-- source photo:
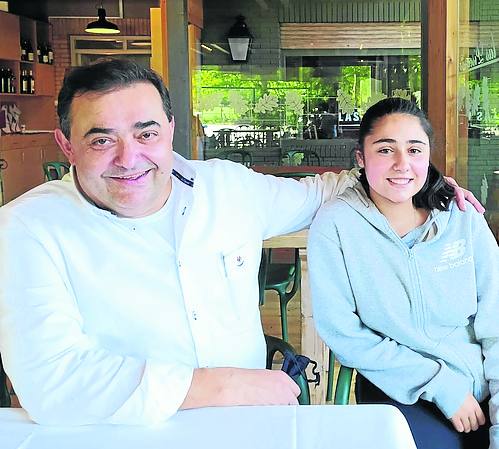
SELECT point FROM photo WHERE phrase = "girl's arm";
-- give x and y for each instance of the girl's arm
(486, 258)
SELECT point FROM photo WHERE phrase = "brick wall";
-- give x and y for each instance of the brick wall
(62, 29)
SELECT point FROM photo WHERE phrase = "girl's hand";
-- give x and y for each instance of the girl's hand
(469, 416)
(463, 195)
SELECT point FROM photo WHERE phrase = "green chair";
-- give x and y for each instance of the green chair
(282, 277)
(55, 170)
(343, 383)
(301, 157)
(295, 174)
(242, 156)
(4, 390)
(276, 345)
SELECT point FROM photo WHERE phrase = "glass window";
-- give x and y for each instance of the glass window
(86, 49)
(478, 103)
(309, 91)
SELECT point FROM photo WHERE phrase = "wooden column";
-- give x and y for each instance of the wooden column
(179, 79)
(439, 50)
(440, 64)
(159, 41)
(463, 50)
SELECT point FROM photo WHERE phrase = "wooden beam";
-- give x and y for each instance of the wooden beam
(440, 26)
(179, 75)
(350, 35)
(465, 33)
(195, 12)
(159, 41)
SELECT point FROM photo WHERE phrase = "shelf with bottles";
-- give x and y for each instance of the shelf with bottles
(9, 75)
(44, 52)
(27, 80)
(25, 40)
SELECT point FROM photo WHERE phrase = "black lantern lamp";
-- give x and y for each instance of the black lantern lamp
(102, 26)
(239, 39)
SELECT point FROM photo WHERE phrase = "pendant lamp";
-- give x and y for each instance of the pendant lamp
(102, 26)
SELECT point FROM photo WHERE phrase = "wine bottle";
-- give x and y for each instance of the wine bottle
(12, 83)
(3, 84)
(31, 82)
(39, 57)
(29, 50)
(24, 82)
(45, 54)
(51, 54)
(8, 81)
(24, 54)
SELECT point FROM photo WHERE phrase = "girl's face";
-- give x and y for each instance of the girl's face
(396, 159)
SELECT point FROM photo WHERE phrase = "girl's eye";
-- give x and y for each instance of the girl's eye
(415, 151)
(384, 150)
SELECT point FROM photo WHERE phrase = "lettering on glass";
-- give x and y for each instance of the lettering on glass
(474, 100)
(481, 57)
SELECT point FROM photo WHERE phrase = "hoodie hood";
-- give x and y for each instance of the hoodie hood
(357, 198)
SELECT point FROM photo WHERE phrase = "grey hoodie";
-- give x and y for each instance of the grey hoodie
(413, 318)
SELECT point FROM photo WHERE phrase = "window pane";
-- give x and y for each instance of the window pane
(478, 103)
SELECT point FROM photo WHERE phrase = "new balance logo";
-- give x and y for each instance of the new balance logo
(453, 251)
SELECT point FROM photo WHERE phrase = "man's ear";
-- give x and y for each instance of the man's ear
(64, 145)
(359, 158)
(172, 127)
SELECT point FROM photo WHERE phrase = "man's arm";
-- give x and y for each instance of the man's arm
(486, 259)
(60, 373)
(213, 387)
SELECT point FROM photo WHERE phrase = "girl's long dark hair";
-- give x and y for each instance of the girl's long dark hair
(435, 193)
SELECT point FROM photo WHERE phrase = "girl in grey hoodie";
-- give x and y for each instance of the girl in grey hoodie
(405, 287)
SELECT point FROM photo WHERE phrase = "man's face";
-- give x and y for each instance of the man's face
(121, 147)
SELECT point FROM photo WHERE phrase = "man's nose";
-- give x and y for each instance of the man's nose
(126, 155)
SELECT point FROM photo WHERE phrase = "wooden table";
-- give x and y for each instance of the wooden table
(311, 344)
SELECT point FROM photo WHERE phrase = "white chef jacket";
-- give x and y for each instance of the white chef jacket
(101, 322)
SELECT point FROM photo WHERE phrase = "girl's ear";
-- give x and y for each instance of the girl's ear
(359, 158)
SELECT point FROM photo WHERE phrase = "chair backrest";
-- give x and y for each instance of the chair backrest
(295, 174)
(55, 170)
(343, 383)
(262, 274)
(276, 345)
(301, 157)
(4, 390)
(241, 156)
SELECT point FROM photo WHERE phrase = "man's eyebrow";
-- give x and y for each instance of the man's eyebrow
(388, 140)
(142, 125)
(97, 130)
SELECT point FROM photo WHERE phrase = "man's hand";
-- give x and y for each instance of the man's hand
(469, 416)
(212, 387)
(463, 195)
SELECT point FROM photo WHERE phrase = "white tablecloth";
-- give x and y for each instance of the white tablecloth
(283, 427)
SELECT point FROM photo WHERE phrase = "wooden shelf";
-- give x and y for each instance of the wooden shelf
(26, 153)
